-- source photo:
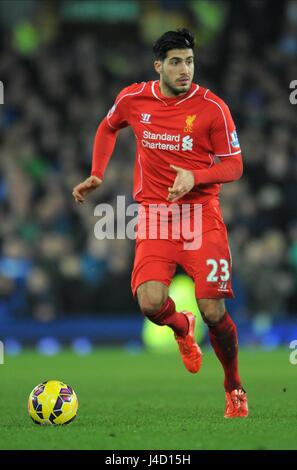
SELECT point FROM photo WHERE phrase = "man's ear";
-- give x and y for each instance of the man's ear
(158, 66)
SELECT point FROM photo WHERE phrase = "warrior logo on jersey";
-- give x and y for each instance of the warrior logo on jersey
(189, 123)
(234, 139)
(145, 118)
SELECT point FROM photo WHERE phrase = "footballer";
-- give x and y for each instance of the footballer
(187, 147)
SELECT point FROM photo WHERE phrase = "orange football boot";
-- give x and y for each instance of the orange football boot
(189, 350)
(236, 404)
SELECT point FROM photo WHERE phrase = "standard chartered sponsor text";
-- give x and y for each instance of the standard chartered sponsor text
(160, 145)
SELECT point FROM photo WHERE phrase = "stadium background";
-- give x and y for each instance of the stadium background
(62, 64)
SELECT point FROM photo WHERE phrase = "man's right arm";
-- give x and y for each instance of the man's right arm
(107, 133)
(104, 143)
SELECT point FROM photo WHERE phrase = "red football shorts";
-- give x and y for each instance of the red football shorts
(209, 265)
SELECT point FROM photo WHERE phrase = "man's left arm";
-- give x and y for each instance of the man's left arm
(228, 164)
(225, 171)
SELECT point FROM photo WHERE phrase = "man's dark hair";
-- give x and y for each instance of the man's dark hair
(179, 39)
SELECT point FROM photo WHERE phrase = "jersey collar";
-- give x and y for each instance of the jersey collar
(173, 100)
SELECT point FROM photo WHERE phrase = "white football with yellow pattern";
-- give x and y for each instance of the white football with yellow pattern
(52, 402)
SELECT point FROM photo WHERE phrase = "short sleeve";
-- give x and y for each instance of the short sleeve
(223, 133)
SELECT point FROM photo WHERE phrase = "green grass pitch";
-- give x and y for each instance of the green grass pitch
(149, 401)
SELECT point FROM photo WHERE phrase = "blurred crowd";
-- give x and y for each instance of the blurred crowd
(59, 82)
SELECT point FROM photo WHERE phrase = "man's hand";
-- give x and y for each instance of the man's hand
(183, 183)
(85, 187)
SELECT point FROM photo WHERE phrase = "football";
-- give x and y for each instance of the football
(52, 403)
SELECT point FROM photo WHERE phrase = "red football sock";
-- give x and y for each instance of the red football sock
(223, 338)
(167, 315)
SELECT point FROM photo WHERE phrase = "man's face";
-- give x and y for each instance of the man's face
(176, 71)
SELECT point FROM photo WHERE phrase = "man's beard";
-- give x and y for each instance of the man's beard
(177, 91)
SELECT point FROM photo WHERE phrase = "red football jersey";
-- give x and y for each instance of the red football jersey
(188, 131)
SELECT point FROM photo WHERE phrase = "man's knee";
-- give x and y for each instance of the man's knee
(212, 310)
(151, 296)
